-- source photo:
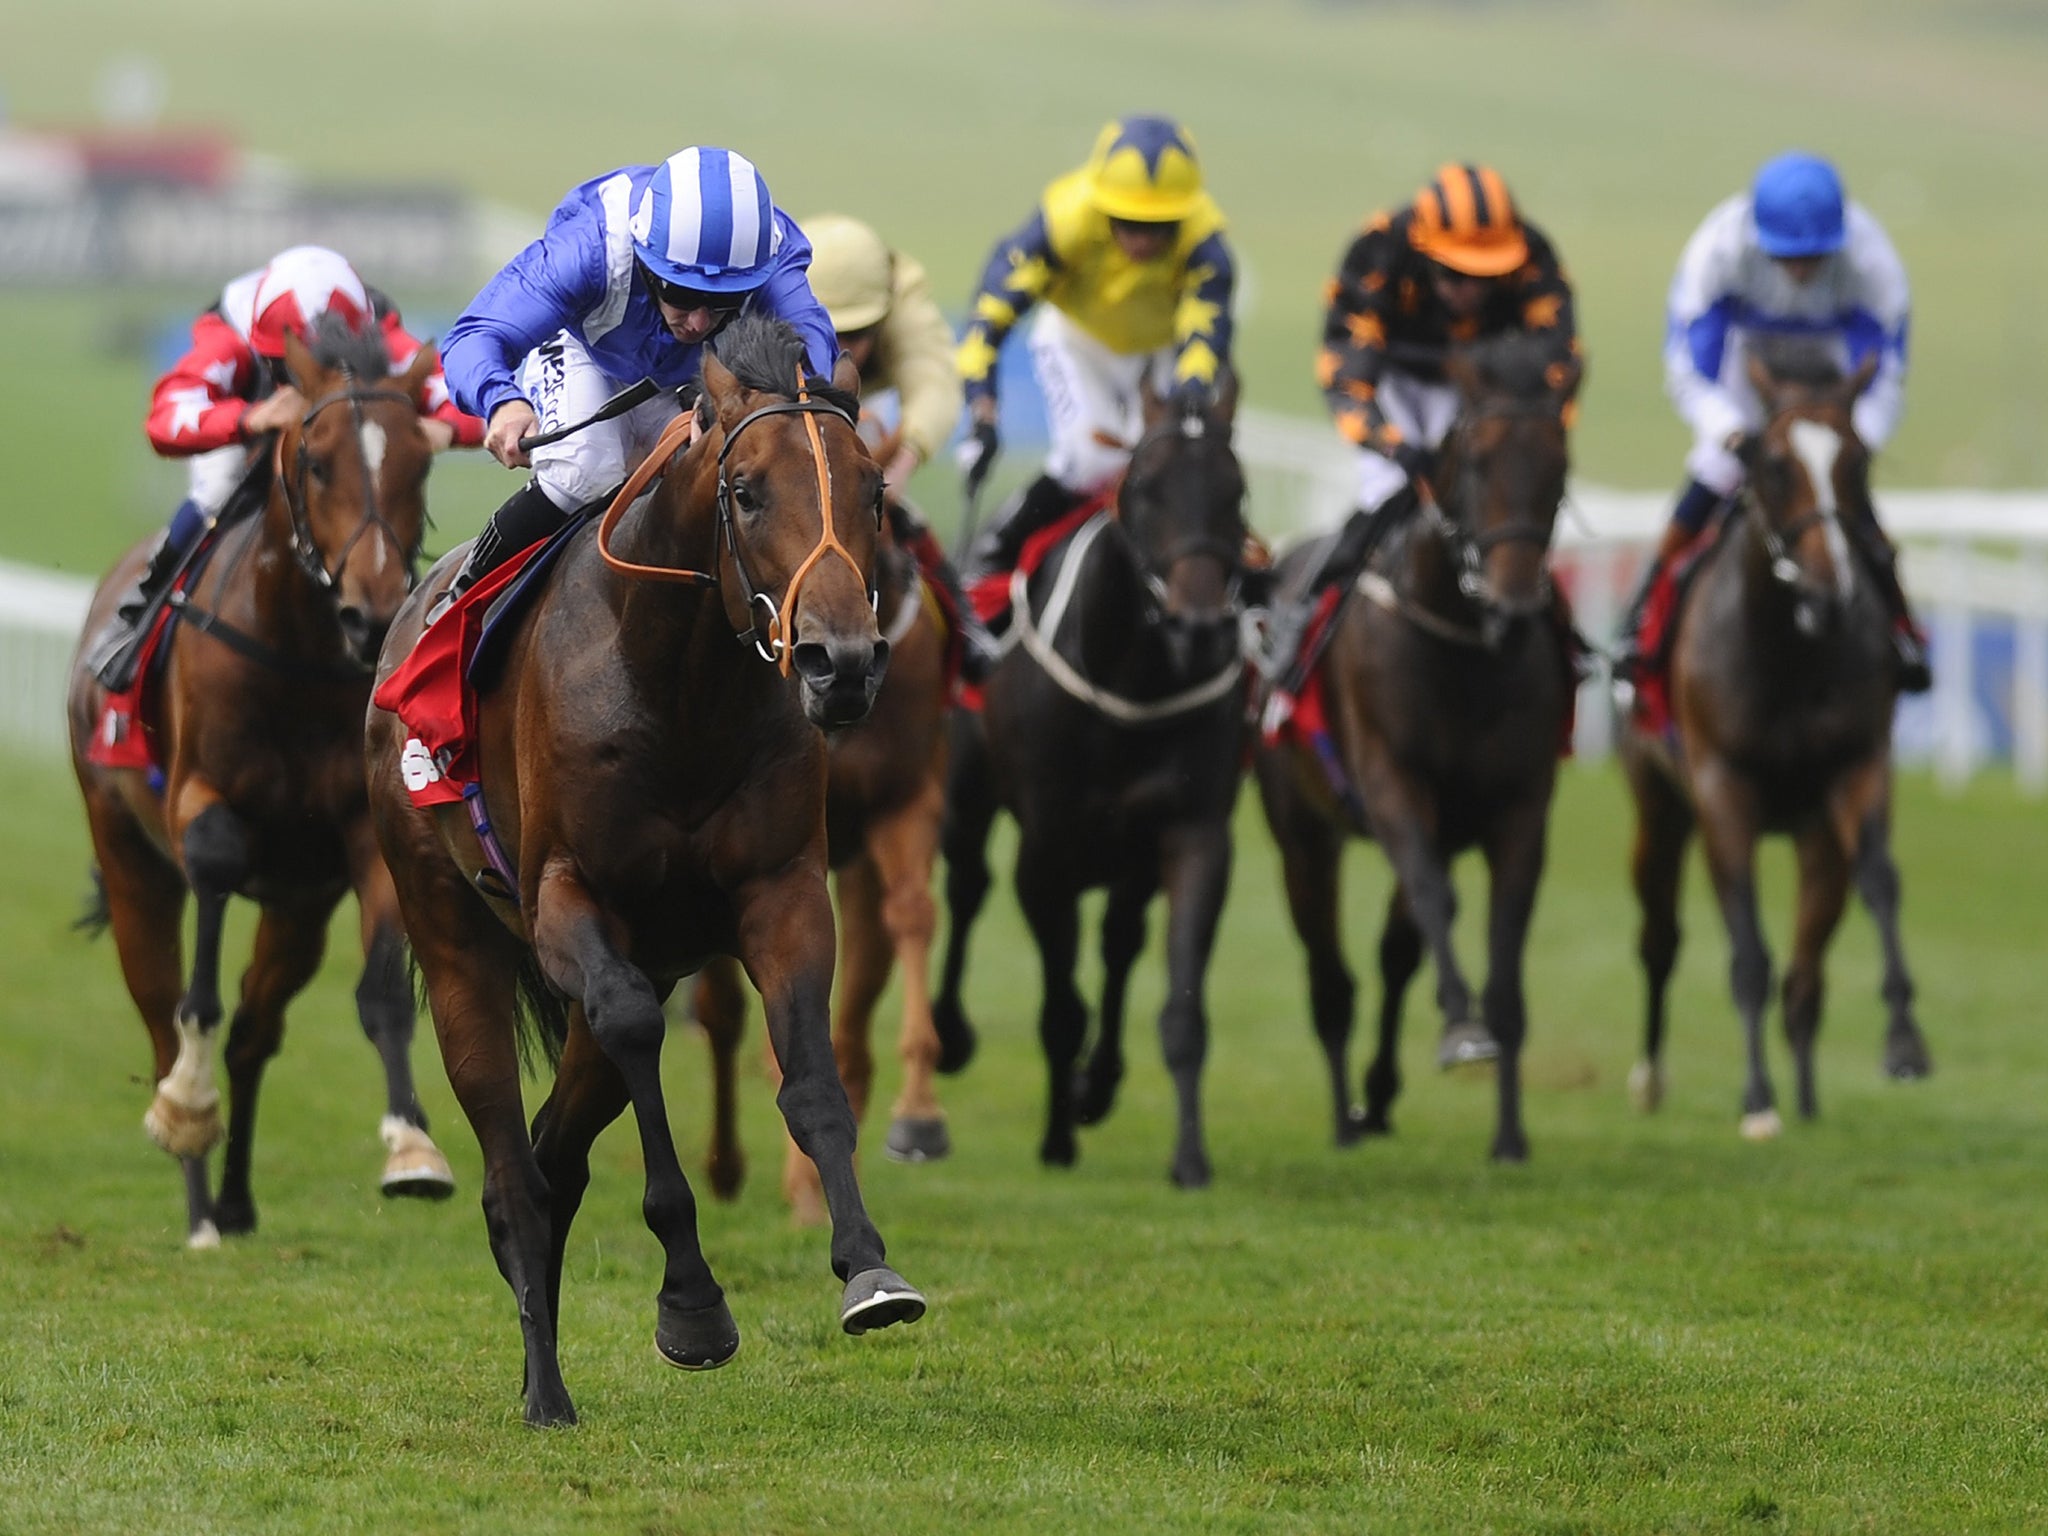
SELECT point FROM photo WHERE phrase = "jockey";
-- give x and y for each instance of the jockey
(888, 324)
(1128, 253)
(229, 389)
(635, 272)
(1457, 265)
(1792, 257)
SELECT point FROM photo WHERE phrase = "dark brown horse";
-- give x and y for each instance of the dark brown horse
(1113, 731)
(883, 805)
(1448, 685)
(258, 714)
(1782, 687)
(660, 790)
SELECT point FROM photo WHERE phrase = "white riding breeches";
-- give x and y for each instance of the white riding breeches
(564, 385)
(1424, 413)
(1092, 402)
(211, 477)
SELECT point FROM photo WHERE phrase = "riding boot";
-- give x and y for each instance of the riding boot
(1882, 561)
(526, 517)
(1288, 625)
(1696, 507)
(118, 647)
(1001, 544)
(979, 650)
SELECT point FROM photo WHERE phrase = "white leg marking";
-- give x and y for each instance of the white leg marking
(190, 1084)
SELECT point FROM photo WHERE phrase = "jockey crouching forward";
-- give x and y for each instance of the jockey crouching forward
(635, 272)
(1128, 253)
(1457, 265)
(229, 389)
(1792, 258)
(889, 326)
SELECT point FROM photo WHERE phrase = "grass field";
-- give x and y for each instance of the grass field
(1652, 1327)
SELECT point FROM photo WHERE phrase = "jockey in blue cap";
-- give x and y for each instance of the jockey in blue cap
(635, 272)
(1794, 257)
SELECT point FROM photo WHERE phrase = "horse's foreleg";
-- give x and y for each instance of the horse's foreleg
(970, 812)
(580, 950)
(1197, 877)
(1863, 823)
(1663, 827)
(1123, 937)
(1051, 908)
(1823, 891)
(785, 931)
(413, 1165)
(1728, 831)
(589, 1094)
(289, 944)
(904, 849)
(721, 1007)
(1400, 959)
(1514, 856)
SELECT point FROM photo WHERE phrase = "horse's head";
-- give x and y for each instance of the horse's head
(1806, 468)
(800, 503)
(353, 475)
(1502, 471)
(1181, 507)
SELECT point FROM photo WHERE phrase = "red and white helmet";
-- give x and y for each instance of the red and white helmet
(296, 289)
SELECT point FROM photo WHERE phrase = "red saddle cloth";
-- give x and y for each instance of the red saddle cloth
(430, 693)
(991, 594)
(1652, 707)
(124, 738)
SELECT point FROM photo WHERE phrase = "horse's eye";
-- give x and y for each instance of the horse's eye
(881, 504)
(317, 468)
(743, 497)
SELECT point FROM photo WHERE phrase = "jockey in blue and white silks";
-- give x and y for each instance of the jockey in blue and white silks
(634, 273)
(1793, 257)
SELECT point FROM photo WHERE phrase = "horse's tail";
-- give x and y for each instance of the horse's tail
(94, 918)
(543, 1021)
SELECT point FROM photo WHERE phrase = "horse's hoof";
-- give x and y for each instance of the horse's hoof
(917, 1141)
(1646, 1085)
(1511, 1149)
(556, 1415)
(183, 1131)
(1762, 1125)
(203, 1238)
(1190, 1171)
(1351, 1127)
(876, 1298)
(726, 1174)
(956, 1037)
(1906, 1060)
(700, 1339)
(234, 1217)
(1059, 1151)
(1466, 1045)
(1095, 1095)
(415, 1170)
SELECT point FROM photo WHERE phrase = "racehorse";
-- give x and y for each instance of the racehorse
(658, 795)
(1782, 687)
(1113, 731)
(257, 714)
(883, 804)
(1448, 688)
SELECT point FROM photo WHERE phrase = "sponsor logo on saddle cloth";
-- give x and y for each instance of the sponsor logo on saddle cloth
(416, 765)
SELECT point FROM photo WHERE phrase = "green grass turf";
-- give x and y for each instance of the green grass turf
(1617, 123)
(1652, 1326)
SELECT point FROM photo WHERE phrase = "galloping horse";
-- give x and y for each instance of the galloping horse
(659, 794)
(1782, 687)
(883, 805)
(1448, 688)
(1114, 732)
(258, 715)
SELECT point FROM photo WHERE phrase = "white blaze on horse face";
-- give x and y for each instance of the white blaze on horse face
(1817, 446)
(374, 444)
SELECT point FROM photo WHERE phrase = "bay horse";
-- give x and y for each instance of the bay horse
(659, 794)
(1448, 682)
(1113, 730)
(1782, 688)
(884, 800)
(258, 716)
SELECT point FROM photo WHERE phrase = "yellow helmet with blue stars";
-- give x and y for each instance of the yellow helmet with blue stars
(1144, 169)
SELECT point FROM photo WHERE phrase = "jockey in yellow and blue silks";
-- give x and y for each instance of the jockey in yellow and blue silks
(1129, 256)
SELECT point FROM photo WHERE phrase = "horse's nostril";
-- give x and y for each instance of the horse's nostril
(813, 663)
(878, 664)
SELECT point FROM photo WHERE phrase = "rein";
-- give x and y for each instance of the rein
(774, 646)
(304, 550)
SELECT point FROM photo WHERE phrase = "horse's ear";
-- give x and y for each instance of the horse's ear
(419, 370)
(300, 365)
(1859, 381)
(846, 375)
(1464, 372)
(1224, 411)
(721, 388)
(1761, 379)
(1151, 404)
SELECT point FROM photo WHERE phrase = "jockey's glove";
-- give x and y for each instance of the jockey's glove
(977, 454)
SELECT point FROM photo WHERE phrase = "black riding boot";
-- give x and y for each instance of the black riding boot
(118, 648)
(1882, 562)
(1288, 625)
(999, 546)
(527, 517)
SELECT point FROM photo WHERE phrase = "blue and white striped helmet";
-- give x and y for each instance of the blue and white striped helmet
(705, 221)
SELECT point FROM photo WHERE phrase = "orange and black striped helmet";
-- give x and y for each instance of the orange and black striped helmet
(1465, 220)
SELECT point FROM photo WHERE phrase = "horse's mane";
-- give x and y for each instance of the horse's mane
(1517, 363)
(766, 354)
(341, 348)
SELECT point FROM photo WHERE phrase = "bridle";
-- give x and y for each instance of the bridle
(305, 551)
(1152, 570)
(1469, 549)
(771, 643)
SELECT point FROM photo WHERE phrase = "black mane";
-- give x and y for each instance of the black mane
(340, 348)
(766, 355)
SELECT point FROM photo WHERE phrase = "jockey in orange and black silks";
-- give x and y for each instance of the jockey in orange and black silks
(1129, 255)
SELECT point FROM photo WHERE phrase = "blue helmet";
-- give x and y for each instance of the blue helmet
(1797, 203)
(705, 221)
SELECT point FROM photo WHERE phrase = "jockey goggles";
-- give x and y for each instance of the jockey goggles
(676, 296)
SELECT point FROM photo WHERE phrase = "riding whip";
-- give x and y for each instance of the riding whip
(624, 401)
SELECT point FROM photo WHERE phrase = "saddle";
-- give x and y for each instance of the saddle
(1662, 610)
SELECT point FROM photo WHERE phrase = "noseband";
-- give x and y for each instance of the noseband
(304, 550)
(1230, 556)
(1469, 549)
